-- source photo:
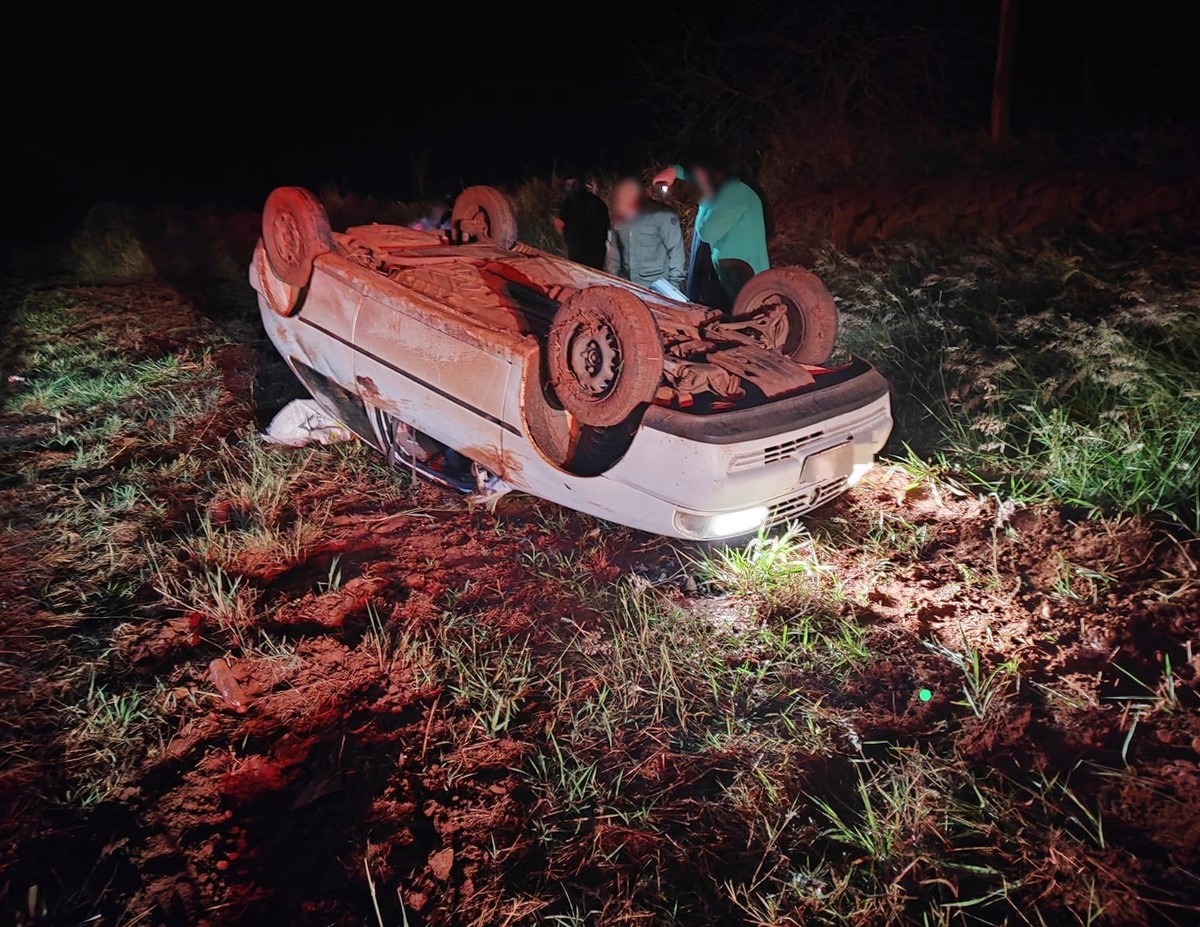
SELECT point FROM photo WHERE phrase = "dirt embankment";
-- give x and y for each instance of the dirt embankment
(853, 218)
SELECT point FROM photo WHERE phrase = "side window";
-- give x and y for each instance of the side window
(339, 400)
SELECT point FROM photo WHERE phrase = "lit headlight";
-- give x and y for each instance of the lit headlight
(723, 525)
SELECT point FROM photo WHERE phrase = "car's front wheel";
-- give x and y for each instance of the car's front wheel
(604, 355)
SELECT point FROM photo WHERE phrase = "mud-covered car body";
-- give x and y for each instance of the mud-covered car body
(401, 333)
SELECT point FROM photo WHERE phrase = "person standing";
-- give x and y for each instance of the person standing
(646, 242)
(729, 245)
(583, 223)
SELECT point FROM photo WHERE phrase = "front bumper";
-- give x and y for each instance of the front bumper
(711, 489)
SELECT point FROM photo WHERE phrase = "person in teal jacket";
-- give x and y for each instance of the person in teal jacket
(730, 236)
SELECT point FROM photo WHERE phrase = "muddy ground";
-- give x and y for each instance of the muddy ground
(450, 715)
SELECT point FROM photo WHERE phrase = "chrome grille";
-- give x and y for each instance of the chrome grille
(793, 507)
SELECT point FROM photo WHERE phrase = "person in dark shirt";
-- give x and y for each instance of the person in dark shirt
(583, 222)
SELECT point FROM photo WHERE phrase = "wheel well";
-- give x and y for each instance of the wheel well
(564, 442)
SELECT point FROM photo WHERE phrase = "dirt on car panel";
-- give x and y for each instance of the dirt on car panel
(503, 464)
(370, 390)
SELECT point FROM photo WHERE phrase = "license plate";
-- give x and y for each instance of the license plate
(828, 464)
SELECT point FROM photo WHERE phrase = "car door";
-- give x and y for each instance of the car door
(418, 367)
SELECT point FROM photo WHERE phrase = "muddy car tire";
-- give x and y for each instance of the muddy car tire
(604, 355)
(283, 298)
(811, 312)
(295, 231)
(484, 214)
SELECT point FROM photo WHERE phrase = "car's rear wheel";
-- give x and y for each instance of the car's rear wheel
(295, 231)
(812, 317)
(604, 355)
(484, 214)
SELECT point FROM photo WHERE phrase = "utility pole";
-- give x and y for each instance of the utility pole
(1002, 83)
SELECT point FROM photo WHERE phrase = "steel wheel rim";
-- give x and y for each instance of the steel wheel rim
(594, 359)
(477, 226)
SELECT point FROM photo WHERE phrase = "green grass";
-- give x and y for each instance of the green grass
(916, 819)
(110, 732)
(982, 687)
(782, 570)
(489, 676)
(1126, 439)
(1063, 372)
(96, 471)
(70, 370)
(108, 246)
(257, 477)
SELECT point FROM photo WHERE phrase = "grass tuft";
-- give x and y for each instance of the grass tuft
(783, 571)
(111, 732)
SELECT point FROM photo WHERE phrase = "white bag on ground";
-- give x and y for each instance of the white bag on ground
(303, 422)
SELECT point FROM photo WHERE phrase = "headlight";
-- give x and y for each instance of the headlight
(724, 525)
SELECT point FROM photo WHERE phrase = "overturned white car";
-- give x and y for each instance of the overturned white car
(488, 365)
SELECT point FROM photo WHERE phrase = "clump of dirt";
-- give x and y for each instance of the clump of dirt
(1087, 634)
(340, 770)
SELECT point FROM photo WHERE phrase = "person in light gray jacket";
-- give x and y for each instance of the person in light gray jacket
(646, 242)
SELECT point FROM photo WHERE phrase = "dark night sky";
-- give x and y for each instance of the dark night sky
(221, 112)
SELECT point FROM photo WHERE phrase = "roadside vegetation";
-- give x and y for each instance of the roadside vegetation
(252, 683)
(1060, 370)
